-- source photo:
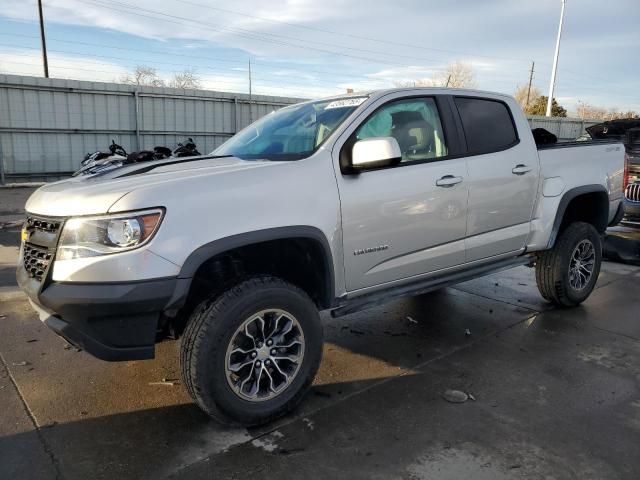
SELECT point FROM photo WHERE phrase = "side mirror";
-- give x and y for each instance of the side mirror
(375, 153)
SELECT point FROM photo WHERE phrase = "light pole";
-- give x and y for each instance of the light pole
(555, 62)
(45, 62)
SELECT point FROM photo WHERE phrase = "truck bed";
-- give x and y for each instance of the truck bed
(574, 165)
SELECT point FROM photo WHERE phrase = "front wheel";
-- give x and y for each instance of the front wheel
(567, 274)
(249, 354)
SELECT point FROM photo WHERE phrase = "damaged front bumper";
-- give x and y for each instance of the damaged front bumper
(111, 321)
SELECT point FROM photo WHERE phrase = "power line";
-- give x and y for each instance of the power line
(239, 79)
(211, 59)
(565, 71)
(581, 74)
(135, 62)
(372, 39)
(95, 55)
(359, 37)
(132, 62)
(101, 4)
(250, 36)
(243, 31)
(258, 85)
(102, 45)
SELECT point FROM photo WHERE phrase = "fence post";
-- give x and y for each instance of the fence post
(235, 113)
(136, 97)
(1, 165)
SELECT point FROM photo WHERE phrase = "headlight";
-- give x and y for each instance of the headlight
(94, 236)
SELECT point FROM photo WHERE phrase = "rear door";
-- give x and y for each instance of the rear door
(503, 172)
(409, 219)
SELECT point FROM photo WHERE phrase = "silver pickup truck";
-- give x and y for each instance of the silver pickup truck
(337, 204)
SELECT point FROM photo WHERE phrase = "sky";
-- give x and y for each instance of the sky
(311, 48)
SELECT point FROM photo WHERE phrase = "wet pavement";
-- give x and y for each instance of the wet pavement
(557, 395)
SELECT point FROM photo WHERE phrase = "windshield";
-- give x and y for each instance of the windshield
(291, 133)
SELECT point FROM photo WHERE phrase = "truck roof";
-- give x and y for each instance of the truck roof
(430, 90)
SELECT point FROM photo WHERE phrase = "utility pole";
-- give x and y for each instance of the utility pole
(555, 61)
(448, 80)
(533, 64)
(44, 43)
(250, 94)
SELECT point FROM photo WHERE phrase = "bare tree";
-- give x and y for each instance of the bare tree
(456, 75)
(459, 75)
(521, 95)
(587, 111)
(185, 79)
(143, 75)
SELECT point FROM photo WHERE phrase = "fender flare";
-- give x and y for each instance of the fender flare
(216, 247)
(567, 197)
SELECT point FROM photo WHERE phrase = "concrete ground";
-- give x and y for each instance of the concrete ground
(557, 395)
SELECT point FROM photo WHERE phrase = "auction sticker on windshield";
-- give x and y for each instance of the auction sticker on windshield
(346, 102)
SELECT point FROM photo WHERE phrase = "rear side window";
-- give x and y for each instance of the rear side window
(488, 125)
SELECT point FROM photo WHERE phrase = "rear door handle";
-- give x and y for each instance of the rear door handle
(448, 181)
(521, 169)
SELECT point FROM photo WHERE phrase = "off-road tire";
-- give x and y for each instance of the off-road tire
(552, 266)
(210, 330)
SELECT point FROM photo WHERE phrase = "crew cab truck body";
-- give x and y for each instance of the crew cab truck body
(336, 204)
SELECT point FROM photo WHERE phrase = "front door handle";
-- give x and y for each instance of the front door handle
(521, 169)
(448, 181)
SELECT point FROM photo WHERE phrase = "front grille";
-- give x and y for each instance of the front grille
(36, 260)
(632, 192)
(40, 245)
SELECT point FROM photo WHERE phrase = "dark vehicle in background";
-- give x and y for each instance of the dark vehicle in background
(613, 129)
(631, 183)
(627, 131)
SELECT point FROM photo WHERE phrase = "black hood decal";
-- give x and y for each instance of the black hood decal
(153, 166)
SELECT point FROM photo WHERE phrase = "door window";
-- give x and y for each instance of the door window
(414, 123)
(488, 125)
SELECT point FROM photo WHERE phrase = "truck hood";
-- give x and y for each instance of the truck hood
(95, 194)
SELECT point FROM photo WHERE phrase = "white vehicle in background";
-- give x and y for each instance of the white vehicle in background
(336, 204)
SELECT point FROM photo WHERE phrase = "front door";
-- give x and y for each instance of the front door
(409, 219)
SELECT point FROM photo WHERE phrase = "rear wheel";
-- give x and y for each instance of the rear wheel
(567, 274)
(249, 354)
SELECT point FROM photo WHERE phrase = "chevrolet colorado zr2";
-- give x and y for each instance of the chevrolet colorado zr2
(337, 204)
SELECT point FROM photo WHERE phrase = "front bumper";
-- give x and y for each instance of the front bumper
(111, 321)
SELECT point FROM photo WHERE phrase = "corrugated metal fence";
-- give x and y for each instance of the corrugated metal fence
(48, 125)
(563, 128)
